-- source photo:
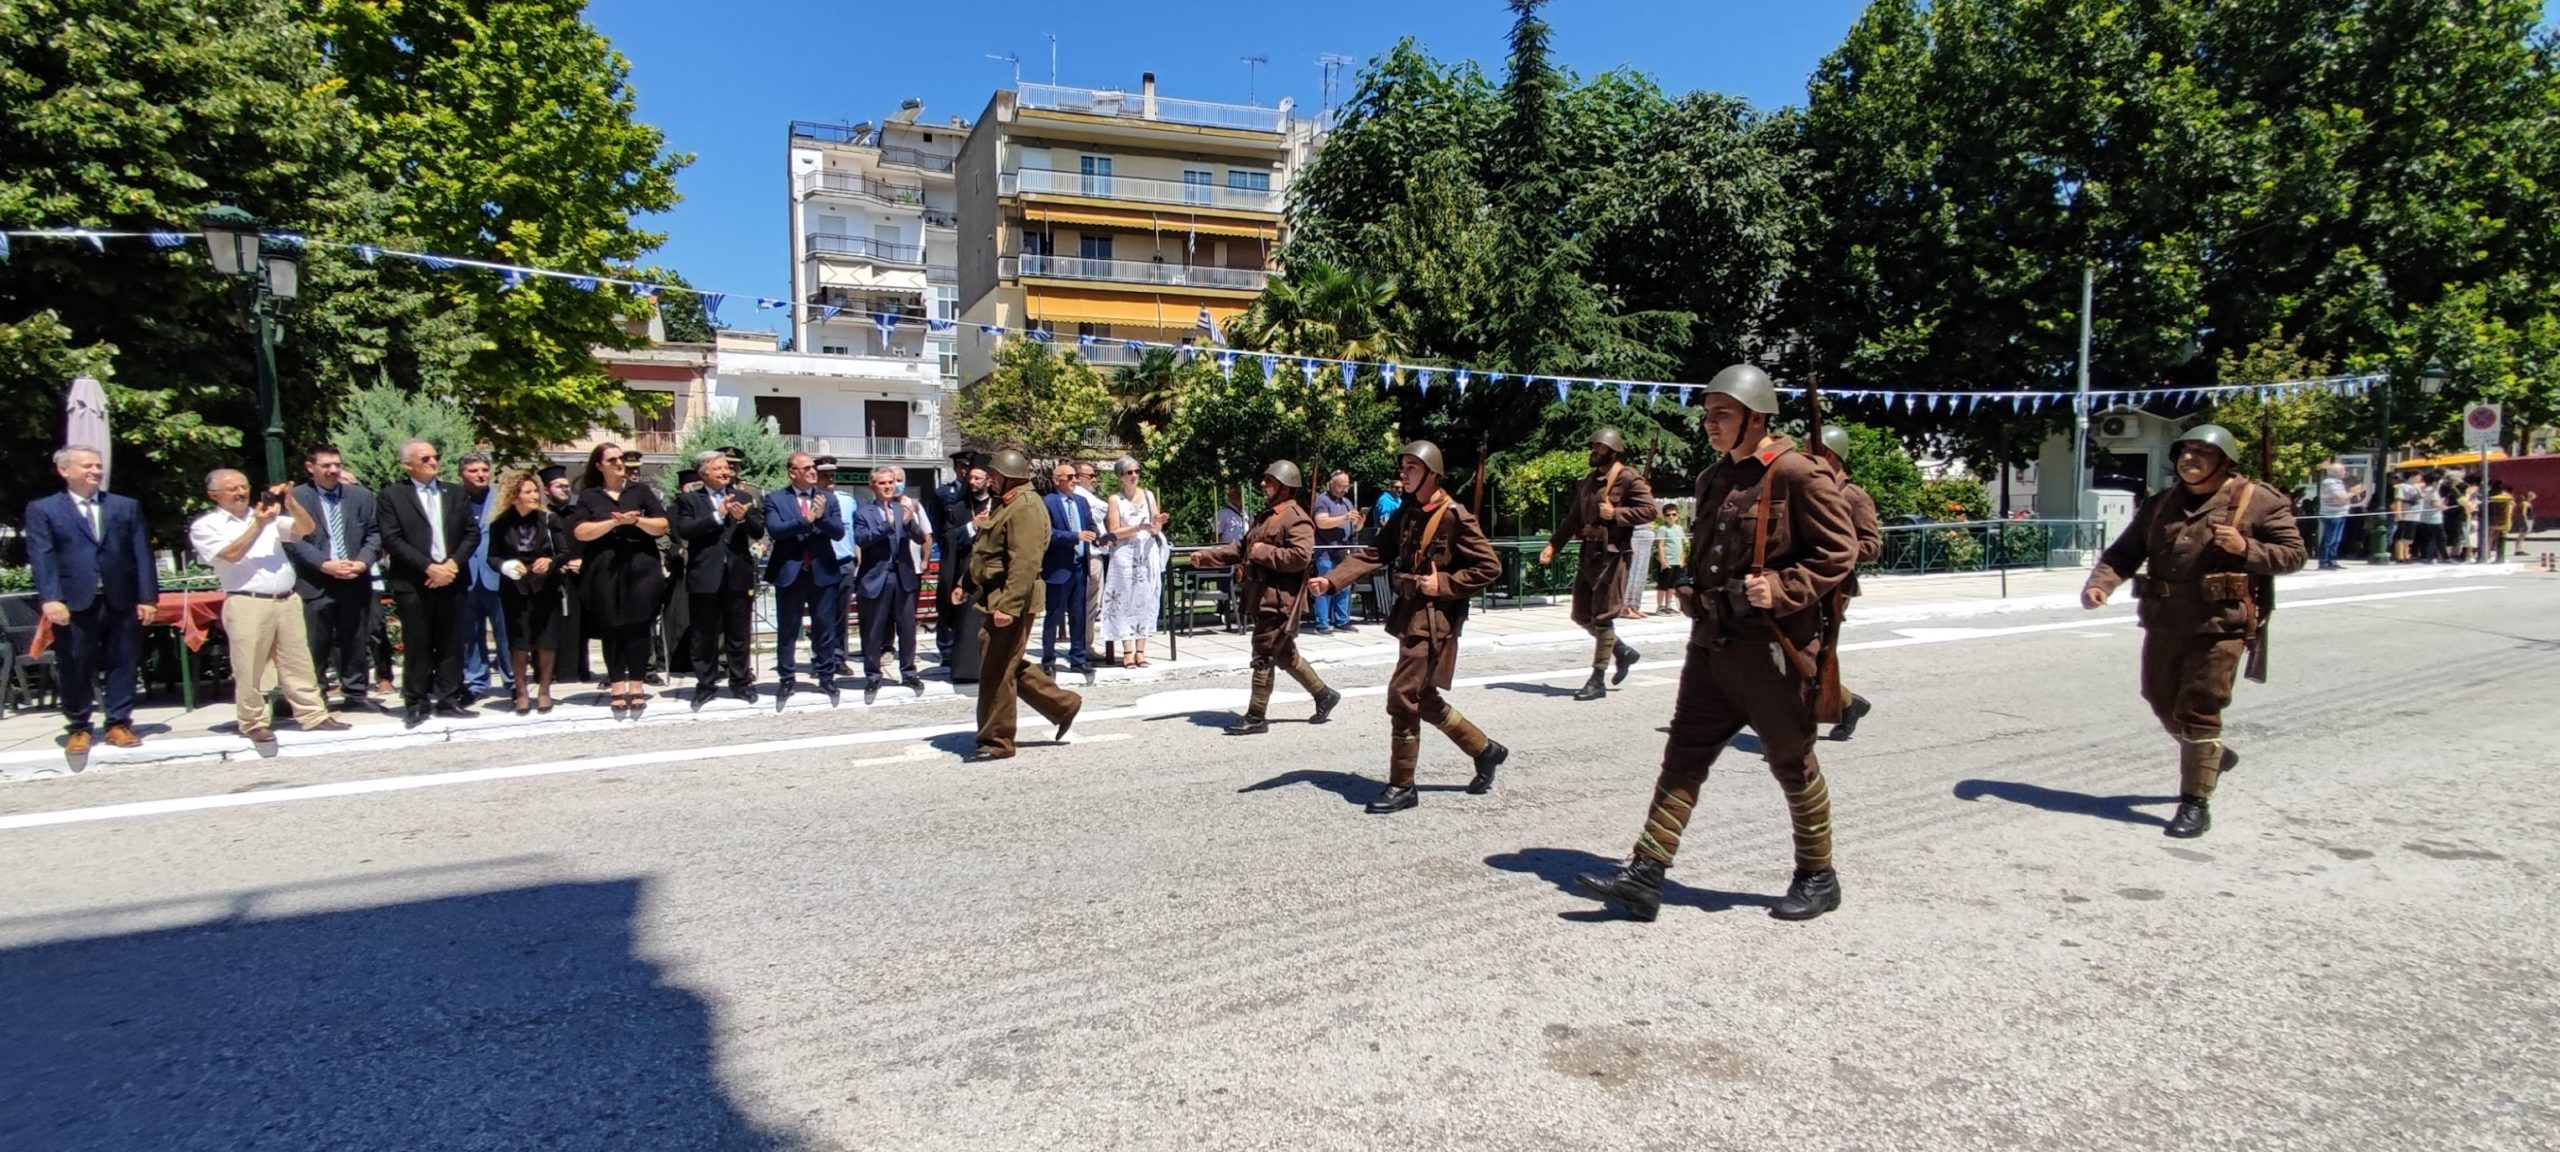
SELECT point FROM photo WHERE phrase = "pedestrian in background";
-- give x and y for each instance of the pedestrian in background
(890, 529)
(482, 613)
(2407, 504)
(807, 574)
(527, 545)
(2454, 497)
(2502, 514)
(1337, 521)
(1671, 550)
(1139, 553)
(720, 524)
(617, 523)
(1097, 563)
(1640, 557)
(561, 498)
(243, 542)
(428, 534)
(1073, 532)
(2337, 501)
(333, 566)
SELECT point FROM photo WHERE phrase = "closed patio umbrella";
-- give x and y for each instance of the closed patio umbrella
(86, 422)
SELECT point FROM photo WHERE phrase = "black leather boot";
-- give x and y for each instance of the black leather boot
(1596, 687)
(1627, 657)
(1249, 726)
(2194, 818)
(1404, 749)
(1859, 706)
(1325, 702)
(1812, 894)
(1486, 762)
(1396, 798)
(1636, 887)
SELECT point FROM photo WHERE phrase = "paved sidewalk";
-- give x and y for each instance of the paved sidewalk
(30, 742)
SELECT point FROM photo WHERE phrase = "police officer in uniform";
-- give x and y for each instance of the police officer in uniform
(1862, 516)
(2215, 543)
(1774, 541)
(1608, 506)
(1275, 554)
(1004, 580)
(1437, 558)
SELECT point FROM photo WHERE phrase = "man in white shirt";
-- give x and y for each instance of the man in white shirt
(261, 612)
(1097, 559)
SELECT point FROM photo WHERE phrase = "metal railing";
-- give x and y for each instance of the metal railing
(1140, 106)
(1984, 545)
(1138, 189)
(828, 133)
(865, 247)
(858, 186)
(868, 447)
(915, 158)
(1141, 272)
(941, 218)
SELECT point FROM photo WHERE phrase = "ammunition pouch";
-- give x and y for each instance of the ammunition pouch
(2226, 587)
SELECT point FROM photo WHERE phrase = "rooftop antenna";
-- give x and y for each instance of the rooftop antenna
(1053, 59)
(1010, 58)
(1333, 64)
(1253, 79)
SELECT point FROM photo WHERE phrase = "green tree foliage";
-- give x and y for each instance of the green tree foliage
(680, 313)
(2286, 437)
(1878, 463)
(1954, 498)
(765, 455)
(1229, 428)
(1142, 398)
(376, 421)
(1050, 405)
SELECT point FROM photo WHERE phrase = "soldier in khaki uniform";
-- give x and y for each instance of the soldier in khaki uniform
(1004, 577)
(1774, 542)
(1608, 506)
(1862, 516)
(1275, 554)
(1437, 559)
(2215, 544)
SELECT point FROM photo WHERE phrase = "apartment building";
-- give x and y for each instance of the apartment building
(874, 214)
(864, 410)
(1117, 215)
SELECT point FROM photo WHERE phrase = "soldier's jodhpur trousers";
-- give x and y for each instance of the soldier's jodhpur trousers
(2186, 678)
(1723, 689)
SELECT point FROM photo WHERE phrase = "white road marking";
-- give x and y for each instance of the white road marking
(1158, 704)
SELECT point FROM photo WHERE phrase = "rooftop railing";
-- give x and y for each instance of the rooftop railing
(1138, 106)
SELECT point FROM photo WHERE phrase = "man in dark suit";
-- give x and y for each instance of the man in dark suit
(720, 523)
(97, 586)
(429, 533)
(889, 533)
(807, 579)
(333, 572)
(560, 497)
(1071, 536)
(954, 505)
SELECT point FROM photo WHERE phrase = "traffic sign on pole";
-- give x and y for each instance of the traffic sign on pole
(2481, 424)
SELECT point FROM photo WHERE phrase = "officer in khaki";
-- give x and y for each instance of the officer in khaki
(1004, 577)
(2215, 544)
(1870, 529)
(1437, 559)
(1608, 506)
(1774, 542)
(1274, 556)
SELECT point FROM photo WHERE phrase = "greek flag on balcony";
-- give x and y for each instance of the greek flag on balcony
(829, 312)
(1208, 325)
(711, 306)
(937, 327)
(888, 326)
(167, 240)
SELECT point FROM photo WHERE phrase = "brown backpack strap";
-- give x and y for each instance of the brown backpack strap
(1431, 529)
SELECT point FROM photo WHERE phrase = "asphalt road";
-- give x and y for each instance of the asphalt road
(806, 933)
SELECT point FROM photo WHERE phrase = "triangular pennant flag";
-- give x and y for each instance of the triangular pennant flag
(1086, 340)
(1133, 345)
(938, 326)
(711, 306)
(1042, 335)
(583, 283)
(4, 247)
(1227, 363)
(1183, 353)
(1422, 380)
(435, 263)
(1307, 368)
(291, 240)
(368, 252)
(510, 279)
(1560, 387)
(1269, 365)
(830, 312)
(1346, 375)
(989, 331)
(768, 303)
(167, 239)
(1387, 375)
(1888, 401)
(1625, 389)
(95, 241)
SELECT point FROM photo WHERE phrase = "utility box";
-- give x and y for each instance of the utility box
(2112, 509)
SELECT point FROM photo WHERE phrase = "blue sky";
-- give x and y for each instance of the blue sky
(724, 81)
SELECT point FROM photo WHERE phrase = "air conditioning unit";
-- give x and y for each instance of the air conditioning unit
(2118, 426)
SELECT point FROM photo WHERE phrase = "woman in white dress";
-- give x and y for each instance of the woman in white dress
(1138, 554)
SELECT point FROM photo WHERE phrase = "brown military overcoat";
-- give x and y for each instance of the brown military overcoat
(1811, 546)
(2173, 535)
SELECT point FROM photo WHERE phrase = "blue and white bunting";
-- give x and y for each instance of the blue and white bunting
(938, 327)
(583, 283)
(167, 240)
(367, 252)
(1560, 388)
(1461, 377)
(829, 312)
(711, 306)
(1347, 370)
(768, 304)
(509, 279)
(1422, 380)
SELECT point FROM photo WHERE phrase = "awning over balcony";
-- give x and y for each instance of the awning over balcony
(1067, 306)
(862, 277)
(1175, 223)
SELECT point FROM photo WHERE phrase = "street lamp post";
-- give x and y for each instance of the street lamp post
(240, 251)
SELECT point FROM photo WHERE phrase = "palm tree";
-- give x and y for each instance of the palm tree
(1142, 398)
(1320, 309)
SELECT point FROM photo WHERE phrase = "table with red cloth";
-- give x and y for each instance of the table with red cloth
(193, 614)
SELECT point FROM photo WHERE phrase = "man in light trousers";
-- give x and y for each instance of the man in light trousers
(261, 611)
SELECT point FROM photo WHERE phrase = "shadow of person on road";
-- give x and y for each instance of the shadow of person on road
(1558, 866)
(1200, 718)
(1531, 689)
(1353, 789)
(519, 1018)
(2121, 809)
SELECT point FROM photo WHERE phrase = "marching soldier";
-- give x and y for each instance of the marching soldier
(1608, 506)
(2215, 544)
(1862, 516)
(1437, 559)
(1274, 557)
(1774, 541)
(1004, 577)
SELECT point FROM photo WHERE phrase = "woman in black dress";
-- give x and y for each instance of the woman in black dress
(616, 523)
(527, 548)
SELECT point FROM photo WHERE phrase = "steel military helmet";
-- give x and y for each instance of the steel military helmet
(1428, 453)
(1011, 464)
(1749, 385)
(1609, 438)
(1836, 438)
(1286, 474)
(2216, 435)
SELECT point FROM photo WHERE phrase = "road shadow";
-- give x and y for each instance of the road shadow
(1533, 689)
(1747, 743)
(522, 1018)
(1353, 789)
(2122, 809)
(1558, 866)
(1200, 718)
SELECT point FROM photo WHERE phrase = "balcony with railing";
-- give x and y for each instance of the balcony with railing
(1138, 189)
(941, 218)
(868, 447)
(864, 248)
(916, 158)
(1139, 272)
(855, 186)
(1124, 105)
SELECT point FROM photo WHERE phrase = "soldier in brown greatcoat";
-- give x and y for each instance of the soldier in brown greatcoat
(2215, 544)
(1438, 559)
(1004, 580)
(1274, 557)
(1774, 541)
(1608, 506)
(1862, 516)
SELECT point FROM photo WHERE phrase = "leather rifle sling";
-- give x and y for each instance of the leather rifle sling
(1760, 564)
(2248, 600)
